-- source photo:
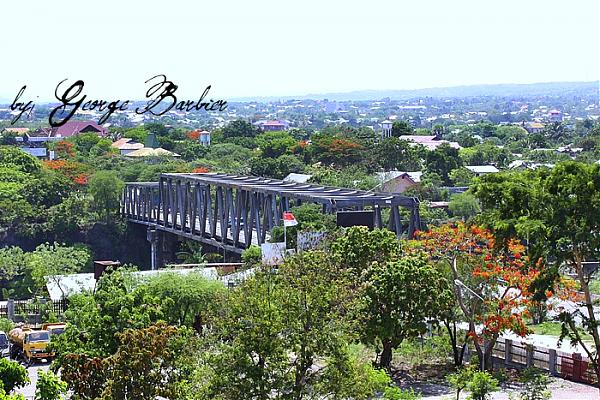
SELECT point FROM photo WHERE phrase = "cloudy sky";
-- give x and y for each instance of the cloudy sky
(264, 48)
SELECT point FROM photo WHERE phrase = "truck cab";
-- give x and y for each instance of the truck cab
(34, 345)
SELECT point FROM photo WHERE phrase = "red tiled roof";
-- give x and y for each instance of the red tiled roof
(76, 127)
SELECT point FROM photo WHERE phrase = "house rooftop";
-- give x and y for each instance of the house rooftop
(387, 176)
(482, 169)
(430, 142)
(298, 178)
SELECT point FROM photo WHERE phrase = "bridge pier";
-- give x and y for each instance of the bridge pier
(153, 238)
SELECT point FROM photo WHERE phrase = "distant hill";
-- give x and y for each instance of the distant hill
(500, 90)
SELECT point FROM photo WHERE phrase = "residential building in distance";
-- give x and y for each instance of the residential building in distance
(480, 170)
(430, 142)
(555, 116)
(534, 127)
(276, 125)
(71, 128)
(39, 152)
(126, 146)
(297, 178)
(397, 181)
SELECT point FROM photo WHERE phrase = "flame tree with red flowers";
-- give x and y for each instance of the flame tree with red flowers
(557, 212)
(77, 172)
(491, 286)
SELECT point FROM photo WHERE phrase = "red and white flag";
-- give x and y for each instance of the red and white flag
(289, 219)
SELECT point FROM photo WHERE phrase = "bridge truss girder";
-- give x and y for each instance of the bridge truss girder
(234, 212)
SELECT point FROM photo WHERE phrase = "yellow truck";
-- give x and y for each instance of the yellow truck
(55, 328)
(30, 345)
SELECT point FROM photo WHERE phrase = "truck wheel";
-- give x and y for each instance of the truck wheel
(14, 353)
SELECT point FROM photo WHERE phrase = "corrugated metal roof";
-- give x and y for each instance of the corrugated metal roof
(60, 286)
(35, 151)
(298, 178)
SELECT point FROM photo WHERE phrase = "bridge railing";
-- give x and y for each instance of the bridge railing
(141, 201)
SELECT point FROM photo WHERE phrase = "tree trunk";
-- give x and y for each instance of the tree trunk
(457, 355)
(589, 305)
(385, 360)
(198, 324)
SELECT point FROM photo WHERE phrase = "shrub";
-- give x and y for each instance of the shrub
(4, 396)
(395, 393)
(49, 386)
(6, 325)
(252, 257)
(481, 385)
(12, 375)
(460, 379)
(535, 385)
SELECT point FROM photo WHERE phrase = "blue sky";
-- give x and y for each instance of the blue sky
(265, 48)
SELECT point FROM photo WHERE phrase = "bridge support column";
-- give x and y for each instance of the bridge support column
(152, 237)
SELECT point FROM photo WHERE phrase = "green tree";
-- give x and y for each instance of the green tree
(442, 160)
(49, 260)
(84, 142)
(13, 264)
(275, 144)
(400, 128)
(137, 133)
(49, 386)
(93, 320)
(280, 325)
(481, 386)
(102, 147)
(461, 177)
(252, 358)
(106, 189)
(535, 385)
(12, 375)
(464, 205)
(252, 257)
(395, 153)
(186, 299)
(144, 365)
(239, 128)
(556, 212)
(460, 379)
(400, 297)
(359, 247)
(13, 157)
(4, 396)
(277, 168)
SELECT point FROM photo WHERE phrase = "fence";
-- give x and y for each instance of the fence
(31, 311)
(571, 366)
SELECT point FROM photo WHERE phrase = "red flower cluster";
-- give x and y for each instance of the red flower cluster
(65, 149)
(193, 135)
(75, 171)
(504, 275)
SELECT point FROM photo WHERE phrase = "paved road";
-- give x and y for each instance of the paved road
(29, 390)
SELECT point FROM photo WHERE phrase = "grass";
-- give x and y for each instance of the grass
(551, 328)
(595, 286)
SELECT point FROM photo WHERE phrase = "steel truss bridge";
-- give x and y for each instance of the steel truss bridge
(233, 212)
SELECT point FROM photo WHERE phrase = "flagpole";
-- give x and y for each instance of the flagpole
(285, 234)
